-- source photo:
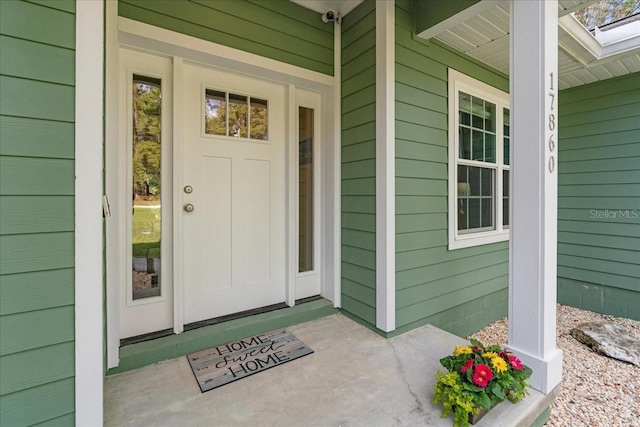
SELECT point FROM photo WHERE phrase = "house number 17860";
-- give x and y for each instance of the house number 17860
(552, 127)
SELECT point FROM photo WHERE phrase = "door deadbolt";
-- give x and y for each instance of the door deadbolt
(188, 189)
(189, 207)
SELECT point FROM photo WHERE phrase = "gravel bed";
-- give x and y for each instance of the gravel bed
(596, 390)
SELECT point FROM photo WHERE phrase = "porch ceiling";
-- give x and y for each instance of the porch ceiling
(485, 37)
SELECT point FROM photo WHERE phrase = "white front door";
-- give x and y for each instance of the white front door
(232, 191)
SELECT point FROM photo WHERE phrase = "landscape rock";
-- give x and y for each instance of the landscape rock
(610, 340)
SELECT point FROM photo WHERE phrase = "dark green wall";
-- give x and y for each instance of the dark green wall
(277, 29)
(37, 62)
(358, 163)
(461, 290)
(599, 197)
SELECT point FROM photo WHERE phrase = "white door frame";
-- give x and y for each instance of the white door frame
(125, 32)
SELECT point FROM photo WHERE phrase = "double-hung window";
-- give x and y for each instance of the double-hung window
(479, 146)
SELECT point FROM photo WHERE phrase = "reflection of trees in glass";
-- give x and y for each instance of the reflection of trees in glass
(215, 119)
(258, 119)
(229, 116)
(147, 102)
(606, 11)
(237, 116)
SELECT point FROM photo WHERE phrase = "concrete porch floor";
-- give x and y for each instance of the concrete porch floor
(354, 378)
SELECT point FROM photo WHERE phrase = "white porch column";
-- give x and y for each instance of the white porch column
(534, 179)
(89, 313)
(385, 167)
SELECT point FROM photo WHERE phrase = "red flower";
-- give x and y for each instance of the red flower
(515, 363)
(482, 375)
(477, 349)
(467, 365)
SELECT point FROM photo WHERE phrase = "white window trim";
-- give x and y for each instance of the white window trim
(462, 82)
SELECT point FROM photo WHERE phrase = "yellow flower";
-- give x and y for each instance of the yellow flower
(490, 355)
(499, 364)
(462, 350)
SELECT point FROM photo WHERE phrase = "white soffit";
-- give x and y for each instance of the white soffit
(581, 58)
(322, 6)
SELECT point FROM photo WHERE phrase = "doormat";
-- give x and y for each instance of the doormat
(230, 362)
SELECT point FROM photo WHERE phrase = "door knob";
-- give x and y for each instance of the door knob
(189, 207)
(188, 189)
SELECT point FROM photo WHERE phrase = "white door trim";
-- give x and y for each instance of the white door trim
(89, 357)
(292, 135)
(126, 32)
(178, 261)
(157, 39)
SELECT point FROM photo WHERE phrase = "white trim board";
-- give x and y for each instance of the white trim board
(385, 167)
(89, 356)
(145, 36)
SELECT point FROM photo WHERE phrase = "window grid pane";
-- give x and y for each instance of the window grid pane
(506, 136)
(477, 128)
(505, 198)
(475, 198)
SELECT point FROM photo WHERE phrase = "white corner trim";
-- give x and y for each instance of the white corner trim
(89, 355)
(112, 154)
(337, 165)
(385, 167)
(159, 39)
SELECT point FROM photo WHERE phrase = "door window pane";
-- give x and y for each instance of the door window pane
(259, 119)
(305, 189)
(146, 187)
(215, 112)
(237, 116)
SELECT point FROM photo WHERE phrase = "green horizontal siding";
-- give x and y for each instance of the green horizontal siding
(43, 214)
(38, 23)
(433, 284)
(276, 29)
(37, 173)
(50, 402)
(27, 137)
(358, 163)
(37, 290)
(599, 196)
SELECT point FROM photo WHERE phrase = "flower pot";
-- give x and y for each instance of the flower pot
(474, 418)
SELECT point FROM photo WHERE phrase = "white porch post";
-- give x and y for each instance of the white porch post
(533, 219)
(89, 323)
